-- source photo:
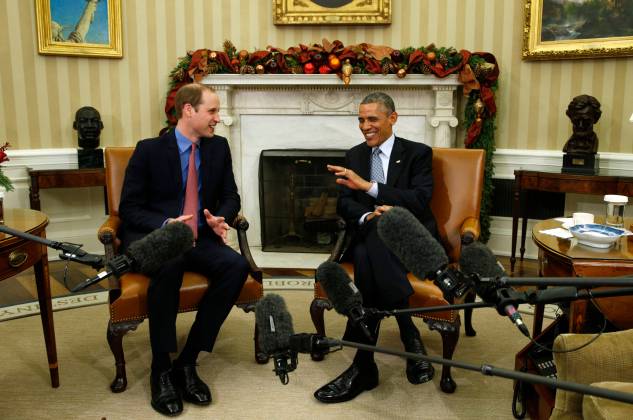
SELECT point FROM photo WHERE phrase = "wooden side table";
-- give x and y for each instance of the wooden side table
(607, 183)
(64, 178)
(17, 255)
(566, 258)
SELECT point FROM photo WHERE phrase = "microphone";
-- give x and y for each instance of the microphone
(147, 255)
(419, 251)
(343, 293)
(274, 326)
(477, 260)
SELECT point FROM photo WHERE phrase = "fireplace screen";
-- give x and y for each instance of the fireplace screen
(297, 197)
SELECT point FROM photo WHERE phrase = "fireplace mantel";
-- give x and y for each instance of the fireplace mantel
(270, 111)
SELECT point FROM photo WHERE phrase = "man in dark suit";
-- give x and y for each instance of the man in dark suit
(382, 172)
(185, 175)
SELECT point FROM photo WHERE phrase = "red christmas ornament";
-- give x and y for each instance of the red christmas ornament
(325, 69)
(308, 68)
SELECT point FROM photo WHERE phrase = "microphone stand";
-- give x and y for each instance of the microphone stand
(489, 370)
(582, 282)
(70, 251)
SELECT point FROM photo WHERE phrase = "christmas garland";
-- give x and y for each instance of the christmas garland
(478, 71)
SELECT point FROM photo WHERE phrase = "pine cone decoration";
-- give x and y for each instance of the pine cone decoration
(296, 70)
(386, 69)
(213, 68)
(178, 75)
(247, 69)
(229, 48)
(426, 69)
(443, 60)
(357, 70)
(482, 70)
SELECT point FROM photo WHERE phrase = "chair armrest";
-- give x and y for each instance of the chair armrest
(107, 235)
(241, 226)
(470, 230)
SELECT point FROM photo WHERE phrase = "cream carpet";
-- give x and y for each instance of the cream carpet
(240, 387)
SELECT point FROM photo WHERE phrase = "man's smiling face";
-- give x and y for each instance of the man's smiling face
(376, 123)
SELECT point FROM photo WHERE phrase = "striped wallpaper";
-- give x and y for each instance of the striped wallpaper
(40, 94)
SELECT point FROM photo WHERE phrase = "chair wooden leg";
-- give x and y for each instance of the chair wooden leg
(468, 316)
(115, 334)
(317, 307)
(260, 356)
(450, 335)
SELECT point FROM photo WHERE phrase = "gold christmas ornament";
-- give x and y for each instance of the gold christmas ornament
(259, 69)
(478, 106)
(347, 71)
(401, 73)
(213, 55)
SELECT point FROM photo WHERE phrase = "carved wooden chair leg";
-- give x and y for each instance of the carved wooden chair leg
(450, 335)
(115, 335)
(468, 316)
(317, 307)
(260, 356)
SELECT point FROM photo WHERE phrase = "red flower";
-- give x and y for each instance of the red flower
(3, 154)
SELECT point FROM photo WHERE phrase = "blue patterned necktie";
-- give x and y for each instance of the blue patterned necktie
(377, 174)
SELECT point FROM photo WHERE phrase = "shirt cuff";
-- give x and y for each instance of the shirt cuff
(363, 217)
(373, 190)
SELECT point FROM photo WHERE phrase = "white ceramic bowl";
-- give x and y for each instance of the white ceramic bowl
(598, 236)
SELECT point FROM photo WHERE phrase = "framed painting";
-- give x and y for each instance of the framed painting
(577, 29)
(88, 28)
(332, 12)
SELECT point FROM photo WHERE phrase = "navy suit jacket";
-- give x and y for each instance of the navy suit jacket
(409, 183)
(153, 190)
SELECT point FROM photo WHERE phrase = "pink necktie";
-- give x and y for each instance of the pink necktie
(191, 193)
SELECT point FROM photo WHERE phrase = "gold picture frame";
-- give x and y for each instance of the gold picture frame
(332, 12)
(90, 28)
(569, 29)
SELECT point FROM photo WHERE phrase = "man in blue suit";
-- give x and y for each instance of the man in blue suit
(382, 172)
(185, 175)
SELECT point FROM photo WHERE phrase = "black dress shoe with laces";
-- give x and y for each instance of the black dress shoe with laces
(191, 387)
(165, 398)
(418, 371)
(349, 384)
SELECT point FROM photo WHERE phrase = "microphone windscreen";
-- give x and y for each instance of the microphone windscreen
(340, 289)
(274, 324)
(477, 258)
(151, 252)
(411, 242)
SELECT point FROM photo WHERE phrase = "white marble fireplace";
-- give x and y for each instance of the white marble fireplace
(261, 112)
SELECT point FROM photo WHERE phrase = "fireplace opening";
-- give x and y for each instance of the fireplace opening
(297, 197)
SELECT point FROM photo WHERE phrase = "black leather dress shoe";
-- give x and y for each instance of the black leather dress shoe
(348, 384)
(190, 385)
(418, 371)
(165, 398)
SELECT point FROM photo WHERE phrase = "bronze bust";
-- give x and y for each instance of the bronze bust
(88, 125)
(583, 111)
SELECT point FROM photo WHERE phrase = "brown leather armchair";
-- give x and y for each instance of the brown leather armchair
(458, 182)
(128, 294)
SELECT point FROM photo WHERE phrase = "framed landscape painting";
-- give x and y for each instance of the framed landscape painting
(332, 12)
(88, 28)
(577, 29)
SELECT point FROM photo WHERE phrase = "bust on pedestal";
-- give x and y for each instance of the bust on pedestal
(88, 125)
(581, 150)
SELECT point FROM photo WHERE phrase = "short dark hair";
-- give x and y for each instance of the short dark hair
(380, 98)
(190, 94)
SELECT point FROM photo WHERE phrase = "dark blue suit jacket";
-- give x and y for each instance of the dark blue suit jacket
(153, 189)
(409, 183)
